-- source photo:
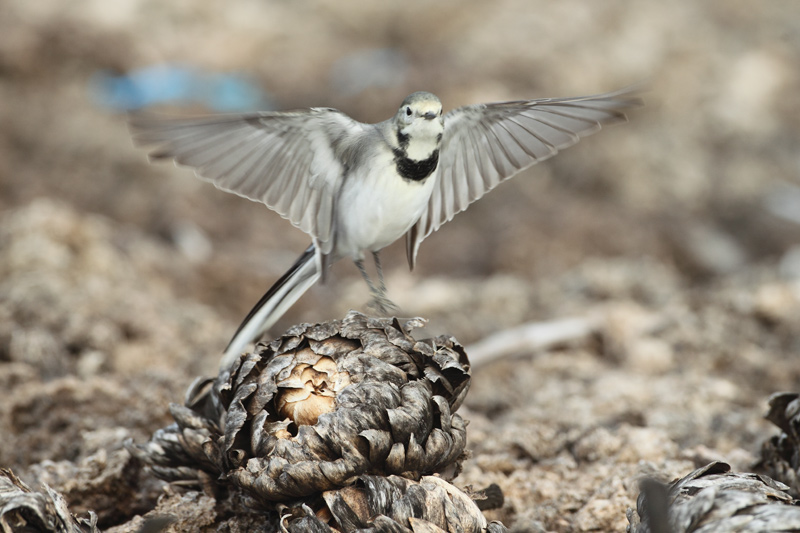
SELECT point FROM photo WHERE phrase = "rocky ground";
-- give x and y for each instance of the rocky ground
(675, 235)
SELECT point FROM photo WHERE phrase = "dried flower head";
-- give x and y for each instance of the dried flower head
(318, 407)
(310, 389)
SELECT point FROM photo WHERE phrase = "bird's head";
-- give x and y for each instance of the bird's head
(420, 117)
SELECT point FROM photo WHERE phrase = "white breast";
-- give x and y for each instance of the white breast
(377, 206)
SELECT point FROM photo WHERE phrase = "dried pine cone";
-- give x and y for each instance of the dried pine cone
(320, 406)
(22, 509)
(398, 504)
(780, 455)
(714, 499)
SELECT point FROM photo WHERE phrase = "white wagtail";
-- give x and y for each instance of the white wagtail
(356, 188)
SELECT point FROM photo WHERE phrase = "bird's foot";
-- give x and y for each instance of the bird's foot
(382, 304)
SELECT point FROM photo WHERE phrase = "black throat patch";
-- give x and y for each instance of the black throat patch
(415, 170)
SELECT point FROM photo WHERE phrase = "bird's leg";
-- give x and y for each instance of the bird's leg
(379, 302)
(360, 265)
(381, 284)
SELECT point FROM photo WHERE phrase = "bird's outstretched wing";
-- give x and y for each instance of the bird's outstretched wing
(291, 161)
(485, 144)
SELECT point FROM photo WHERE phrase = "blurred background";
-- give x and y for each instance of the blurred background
(112, 264)
(701, 179)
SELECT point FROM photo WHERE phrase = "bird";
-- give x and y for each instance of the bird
(355, 187)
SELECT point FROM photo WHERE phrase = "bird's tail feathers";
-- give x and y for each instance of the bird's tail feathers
(275, 302)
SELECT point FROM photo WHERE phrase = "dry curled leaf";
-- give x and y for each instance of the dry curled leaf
(393, 503)
(22, 509)
(318, 407)
(714, 499)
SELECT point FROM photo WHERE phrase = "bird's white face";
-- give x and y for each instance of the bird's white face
(420, 124)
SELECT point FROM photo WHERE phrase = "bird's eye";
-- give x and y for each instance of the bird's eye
(408, 111)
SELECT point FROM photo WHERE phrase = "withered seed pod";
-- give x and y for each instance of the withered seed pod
(780, 455)
(714, 499)
(320, 406)
(391, 503)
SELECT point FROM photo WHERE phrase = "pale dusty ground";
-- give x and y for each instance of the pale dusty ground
(669, 228)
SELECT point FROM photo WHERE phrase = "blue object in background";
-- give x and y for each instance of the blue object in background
(177, 84)
(379, 68)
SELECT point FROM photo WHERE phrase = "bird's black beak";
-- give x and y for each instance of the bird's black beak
(430, 115)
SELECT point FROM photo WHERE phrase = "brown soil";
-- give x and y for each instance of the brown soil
(674, 229)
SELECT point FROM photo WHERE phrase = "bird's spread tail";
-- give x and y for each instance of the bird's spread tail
(277, 300)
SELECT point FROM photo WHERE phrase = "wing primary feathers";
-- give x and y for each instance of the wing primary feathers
(223, 164)
(516, 161)
(171, 146)
(503, 150)
(486, 144)
(243, 175)
(476, 186)
(461, 186)
(272, 158)
(550, 149)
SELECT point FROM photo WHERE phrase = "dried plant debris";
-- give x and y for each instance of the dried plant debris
(714, 499)
(22, 509)
(780, 455)
(393, 503)
(109, 483)
(318, 407)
